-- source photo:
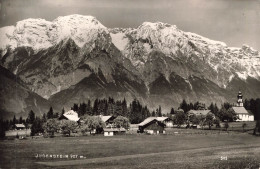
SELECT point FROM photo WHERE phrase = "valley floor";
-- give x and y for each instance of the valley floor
(194, 150)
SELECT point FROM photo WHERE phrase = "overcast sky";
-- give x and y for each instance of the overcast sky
(235, 22)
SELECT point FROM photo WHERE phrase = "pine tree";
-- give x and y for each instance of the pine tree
(75, 107)
(37, 126)
(50, 114)
(160, 112)
(184, 106)
(20, 120)
(124, 108)
(153, 113)
(44, 119)
(82, 109)
(89, 108)
(172, 111)
(95, 107)
(31, 117)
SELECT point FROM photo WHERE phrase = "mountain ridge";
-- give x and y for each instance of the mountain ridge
(167, 64)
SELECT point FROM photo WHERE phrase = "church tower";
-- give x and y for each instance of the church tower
(240, 100)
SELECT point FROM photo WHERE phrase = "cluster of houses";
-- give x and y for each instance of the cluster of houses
(155, 125)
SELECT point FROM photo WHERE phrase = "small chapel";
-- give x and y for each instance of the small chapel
(239, 109)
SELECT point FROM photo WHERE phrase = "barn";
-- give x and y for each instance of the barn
(151, 126)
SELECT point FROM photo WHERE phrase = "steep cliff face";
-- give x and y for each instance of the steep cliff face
(75, 58)
(16, 98)
(202, 57)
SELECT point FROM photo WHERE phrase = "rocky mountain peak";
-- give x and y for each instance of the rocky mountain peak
(41, 34)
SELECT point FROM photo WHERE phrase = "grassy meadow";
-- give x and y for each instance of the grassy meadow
(179, 148)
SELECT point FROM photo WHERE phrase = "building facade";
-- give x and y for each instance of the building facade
(240, 111)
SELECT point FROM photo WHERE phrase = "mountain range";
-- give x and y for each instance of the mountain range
(75, 58)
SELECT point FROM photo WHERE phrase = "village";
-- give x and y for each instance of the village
(71, 124)
(221, 137)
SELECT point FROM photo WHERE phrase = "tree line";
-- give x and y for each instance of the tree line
(135, 113)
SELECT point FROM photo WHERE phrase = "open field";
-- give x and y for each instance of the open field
(197, 150)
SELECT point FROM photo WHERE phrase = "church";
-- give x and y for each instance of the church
(239, 109)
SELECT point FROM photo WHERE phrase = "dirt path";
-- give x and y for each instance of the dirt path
(231, 151)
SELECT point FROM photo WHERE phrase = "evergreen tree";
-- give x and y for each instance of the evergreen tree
(75, 107)
(191, 106)
(2, 129)
(160, 112)
(95, 107)
(247, 104)
(44, 119)
(37, 126)
(14, 120)
(184, 106)
(157, 112)
(124, 108)
(153, 113)
(89, 108)
(21, 120)
(227, 105)
(50, 114)
(172, 111)
(31, 117)
(82, 109)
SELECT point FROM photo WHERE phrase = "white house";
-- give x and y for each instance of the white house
(113, 131)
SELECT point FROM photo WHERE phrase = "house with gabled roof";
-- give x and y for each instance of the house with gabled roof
(151, 125)
(200, 113)
(108, 120)
(70, 115)
(19, 126)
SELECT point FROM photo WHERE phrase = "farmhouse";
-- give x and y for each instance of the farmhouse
(165, 120)
(19, 126)
(108, 120)
(113, 131)
(70, 115)
(199, 112)
(240, 111)
(152, 126)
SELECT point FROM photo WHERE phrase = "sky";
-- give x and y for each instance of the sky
(235, 22)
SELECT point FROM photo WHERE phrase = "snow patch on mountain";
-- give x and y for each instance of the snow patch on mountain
(41, 34)
(119, 40)
(242, 75)
(6, 36)
(174, 43)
